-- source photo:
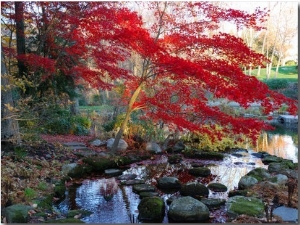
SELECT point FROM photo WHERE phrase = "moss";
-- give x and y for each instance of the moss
(59, 190)
(237, 192)
(259, 173)
(245, 205)
(99, 164)
(46, 203)
(203, 154)
(289, 164)
(80, 171)
(151, 209)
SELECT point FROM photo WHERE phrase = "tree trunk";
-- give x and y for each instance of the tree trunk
(127, 117)
(74, 108)
(9, 125)
(20, 35)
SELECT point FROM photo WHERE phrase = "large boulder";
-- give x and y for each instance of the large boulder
(259, 173)
(188, 209)
(195, 190)
(277, 167)
(121, 146)
(250, 206)
(17, 213)
(153, 147)
(151, 209)
(270, 159)
(247, 182)
(169, 183)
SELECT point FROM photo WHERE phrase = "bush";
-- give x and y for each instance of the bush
(276, 84)
(80, 125)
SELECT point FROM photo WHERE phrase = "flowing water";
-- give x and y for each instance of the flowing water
(118, 203)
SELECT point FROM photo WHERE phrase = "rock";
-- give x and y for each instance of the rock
(276, 167)
(17, 213)
(188, 209)
(200, 171)
(173, 159)
(67, 168)
(257, 155)
(169, 183)
(83, 213)
(147, 194)
(217, 187)
(270, 159)
(237, 155)
(127, 177)
(247, 182)
(287, 214)
(195, 154)
(250, 206)
(171, 199)
(133, 182)
(99, 164)
(153, 147)
(213, 203)
(178, 147)
(151, 209)
(237, 192)
(143, 188)
(279, 179)
(97, 142)
(194, 189)
(113, 172)
(122, 146)
(259, 173)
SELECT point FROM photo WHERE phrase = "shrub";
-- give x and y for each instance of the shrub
(80, 125)
(29, 193)
(276, 84)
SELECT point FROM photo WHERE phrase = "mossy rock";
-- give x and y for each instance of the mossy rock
(247, 182)
(277, 167)
(84, 213)
(99, 164)
(204, 155)
(17, 213)
(146, 194)
(195, 190)
(259, 173)
(217, 187)
(200, 171)
(237, 192)
(46, 203)
(290, 164)
(59, 190)
(213, 203)
(271, 159)
(151, 209)
(250, 206)
(67, 220)
(80, 171)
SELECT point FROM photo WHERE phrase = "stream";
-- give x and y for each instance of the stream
(122, 205)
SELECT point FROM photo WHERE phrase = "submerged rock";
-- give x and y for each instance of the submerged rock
(188, 209)
(151, 209)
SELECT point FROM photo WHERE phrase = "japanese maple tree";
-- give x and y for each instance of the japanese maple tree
(182, 59)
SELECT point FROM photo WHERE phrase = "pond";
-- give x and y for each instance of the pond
(113, 203)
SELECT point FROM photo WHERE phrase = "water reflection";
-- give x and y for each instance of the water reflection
(279, 145)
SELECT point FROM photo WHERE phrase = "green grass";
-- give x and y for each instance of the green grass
(284, 72)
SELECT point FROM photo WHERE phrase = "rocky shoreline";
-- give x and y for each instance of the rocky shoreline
(265, 190)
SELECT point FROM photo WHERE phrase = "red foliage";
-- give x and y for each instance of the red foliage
(180, 62)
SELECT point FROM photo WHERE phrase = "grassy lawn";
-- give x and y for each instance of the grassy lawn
(284, 72)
